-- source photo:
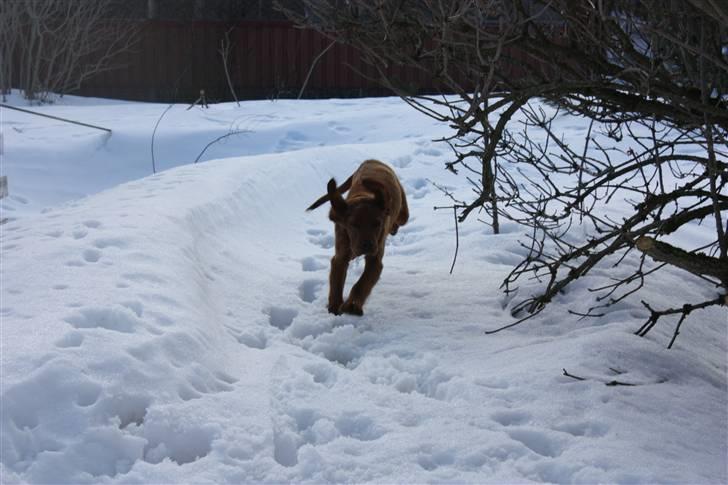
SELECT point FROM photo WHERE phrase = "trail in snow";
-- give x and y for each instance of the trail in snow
(174, 329)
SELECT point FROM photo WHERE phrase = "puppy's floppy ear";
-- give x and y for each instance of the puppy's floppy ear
(381, 196)
(338, 204)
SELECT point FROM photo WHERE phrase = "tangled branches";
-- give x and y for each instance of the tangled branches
(650, 76)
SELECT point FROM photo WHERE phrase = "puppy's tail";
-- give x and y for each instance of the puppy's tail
(325, 198)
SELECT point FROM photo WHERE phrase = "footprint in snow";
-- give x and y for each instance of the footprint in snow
(254, 340)
(91, 255)
(359, 427)
(70, 340)
(429, 152)
(118, 318)
(402, 162)
(584, 428)
(293, 140)
(92, 224)
(126, 408)
(322, 373)
(312, 264)
(431, 459)
(540, 442)
(342, 345)
(417, 188)
(411, 229)
(295, 426)
(308, 290)
(203, 382)
(179, 441)
(111, 242)
(280, 317)
(321, 238)
(510, 417)
(144, 278)
(336, 127)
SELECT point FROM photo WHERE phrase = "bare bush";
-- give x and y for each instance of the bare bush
(56, 45)
(652, 78)
(9, 36)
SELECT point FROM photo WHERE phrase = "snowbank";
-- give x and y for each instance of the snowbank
(173, 328)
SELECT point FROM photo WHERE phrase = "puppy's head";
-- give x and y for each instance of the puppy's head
(363, 220)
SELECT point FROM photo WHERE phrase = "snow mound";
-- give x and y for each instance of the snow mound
(174, 329)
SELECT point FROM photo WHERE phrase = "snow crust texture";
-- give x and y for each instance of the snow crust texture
(173, 329)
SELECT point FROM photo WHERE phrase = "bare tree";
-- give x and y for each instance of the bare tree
(9, 35)
(652, 78)
(58, 45)
(386, 42)
(225, 48)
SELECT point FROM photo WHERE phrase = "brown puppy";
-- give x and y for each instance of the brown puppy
(375, 206)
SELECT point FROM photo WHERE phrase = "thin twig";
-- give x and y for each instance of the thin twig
(154, 133)
(683, 311)
(313, 65)
(573, 376)
(457, 238)
(457, 232)
(517, 322)
(225, 54)
(606, 383)
(222, 137)
(677, 330)
(159, 120)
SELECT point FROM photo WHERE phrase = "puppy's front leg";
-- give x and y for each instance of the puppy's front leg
(339, 266)
(337, 277)
(362, 288)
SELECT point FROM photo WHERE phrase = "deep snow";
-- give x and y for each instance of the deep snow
(174, 329)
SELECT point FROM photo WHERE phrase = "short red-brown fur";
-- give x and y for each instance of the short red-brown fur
(375, 207)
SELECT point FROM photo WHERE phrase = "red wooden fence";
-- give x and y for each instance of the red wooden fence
(172, 61)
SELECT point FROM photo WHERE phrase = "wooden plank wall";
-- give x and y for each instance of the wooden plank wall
(173, 60)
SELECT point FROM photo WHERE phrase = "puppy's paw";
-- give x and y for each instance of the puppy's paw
(352, 308)
(335, 308)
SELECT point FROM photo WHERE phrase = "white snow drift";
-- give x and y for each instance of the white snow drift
(174, 328)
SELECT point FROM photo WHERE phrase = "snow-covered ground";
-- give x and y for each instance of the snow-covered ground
(173, 327)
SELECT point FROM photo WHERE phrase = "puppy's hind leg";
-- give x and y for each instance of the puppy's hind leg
(402, 216)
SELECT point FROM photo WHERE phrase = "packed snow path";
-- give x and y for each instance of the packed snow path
(174, 329)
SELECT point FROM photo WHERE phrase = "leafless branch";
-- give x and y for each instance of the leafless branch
(58, 45)
(652, 83)
(225, 46)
